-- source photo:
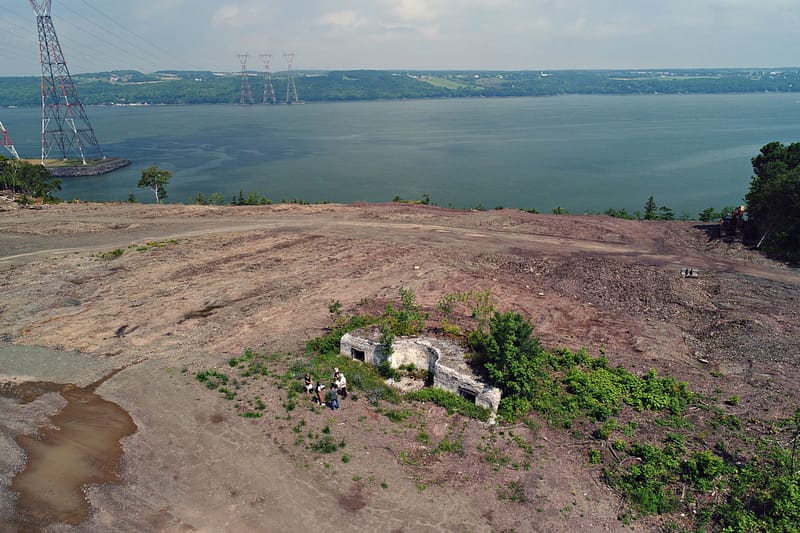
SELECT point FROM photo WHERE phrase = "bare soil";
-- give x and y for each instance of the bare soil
(226, 278)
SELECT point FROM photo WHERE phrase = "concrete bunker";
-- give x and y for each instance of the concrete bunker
(443, 359)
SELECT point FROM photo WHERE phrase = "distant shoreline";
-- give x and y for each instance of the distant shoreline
(133, 88)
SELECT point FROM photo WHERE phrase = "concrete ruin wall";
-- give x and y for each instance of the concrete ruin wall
(467, 385)
(418, 352)
(422, 353)
(352, 346)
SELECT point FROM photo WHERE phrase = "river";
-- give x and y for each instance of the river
(584, 153)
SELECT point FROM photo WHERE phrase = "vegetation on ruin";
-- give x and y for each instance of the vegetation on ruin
(666, 449)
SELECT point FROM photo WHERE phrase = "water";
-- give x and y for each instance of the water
(584, 153)
(79, 446)
(82, 446)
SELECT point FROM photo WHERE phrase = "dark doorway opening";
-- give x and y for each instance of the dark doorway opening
(358, 355)
(468, 394)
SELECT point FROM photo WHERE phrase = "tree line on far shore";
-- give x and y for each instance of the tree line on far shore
(203, 87)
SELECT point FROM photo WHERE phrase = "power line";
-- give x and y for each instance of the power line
(109, 42)
(96, 44)
(141, 39)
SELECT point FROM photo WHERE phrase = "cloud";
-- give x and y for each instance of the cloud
(240, 15)
(417, 10)
(344, 19)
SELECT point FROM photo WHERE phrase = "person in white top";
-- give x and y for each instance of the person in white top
(341, 383)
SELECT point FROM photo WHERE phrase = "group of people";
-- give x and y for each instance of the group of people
(331, 398)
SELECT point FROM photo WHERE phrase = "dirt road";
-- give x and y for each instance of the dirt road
(216, 280)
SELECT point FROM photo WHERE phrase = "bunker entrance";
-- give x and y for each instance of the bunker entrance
(467, 394)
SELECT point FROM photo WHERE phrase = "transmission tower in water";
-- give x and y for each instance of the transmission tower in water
(269, 90)
(65, 125)
(245, 95)
(7, 144)
(291, 89)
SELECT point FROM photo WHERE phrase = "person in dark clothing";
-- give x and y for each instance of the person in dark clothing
(333, 398)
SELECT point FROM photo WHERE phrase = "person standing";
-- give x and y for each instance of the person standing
(341, 385)
(333, 398)
(320, 393)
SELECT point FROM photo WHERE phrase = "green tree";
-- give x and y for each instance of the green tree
(619, 213)
(650, 209)
(155, 180)
(511, 357)
(666, 213)
(773, 202)
(28, 179)
(709, 215)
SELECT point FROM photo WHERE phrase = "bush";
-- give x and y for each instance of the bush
(386, 371)
(326, 444)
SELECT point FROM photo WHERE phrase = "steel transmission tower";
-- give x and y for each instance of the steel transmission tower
(7, 144)
(246, 95)
(269, 90)
(291, 89)
(65, 126)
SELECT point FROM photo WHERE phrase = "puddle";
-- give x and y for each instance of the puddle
(83, 447)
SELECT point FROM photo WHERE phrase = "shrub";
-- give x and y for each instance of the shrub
(702, 468)
(212, 378)
(386, 371)
(326, 444)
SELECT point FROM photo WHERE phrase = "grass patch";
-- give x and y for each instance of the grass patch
(110, 255)
(154, 244)
(212, 379)
(513, 491)
(326, 444)
(396, 415)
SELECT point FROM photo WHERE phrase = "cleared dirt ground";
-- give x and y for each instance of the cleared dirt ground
(262, 277)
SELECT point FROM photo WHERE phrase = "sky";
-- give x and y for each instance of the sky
(150, 35)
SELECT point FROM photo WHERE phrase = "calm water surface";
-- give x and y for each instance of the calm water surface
(585, 153)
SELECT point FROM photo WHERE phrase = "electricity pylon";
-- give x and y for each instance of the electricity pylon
(269, 90)
(291, 89)
(7, 144)
(245, 95)
(65, 125)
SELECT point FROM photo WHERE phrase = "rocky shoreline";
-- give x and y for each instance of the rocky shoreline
(104, 167)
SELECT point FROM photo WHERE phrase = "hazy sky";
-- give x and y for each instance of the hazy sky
(407, 34)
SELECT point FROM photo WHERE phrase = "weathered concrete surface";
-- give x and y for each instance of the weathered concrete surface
(442, 358)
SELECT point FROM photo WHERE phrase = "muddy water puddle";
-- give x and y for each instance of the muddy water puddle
(81, 447)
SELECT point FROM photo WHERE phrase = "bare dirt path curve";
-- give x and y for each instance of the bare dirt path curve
(121, 225)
